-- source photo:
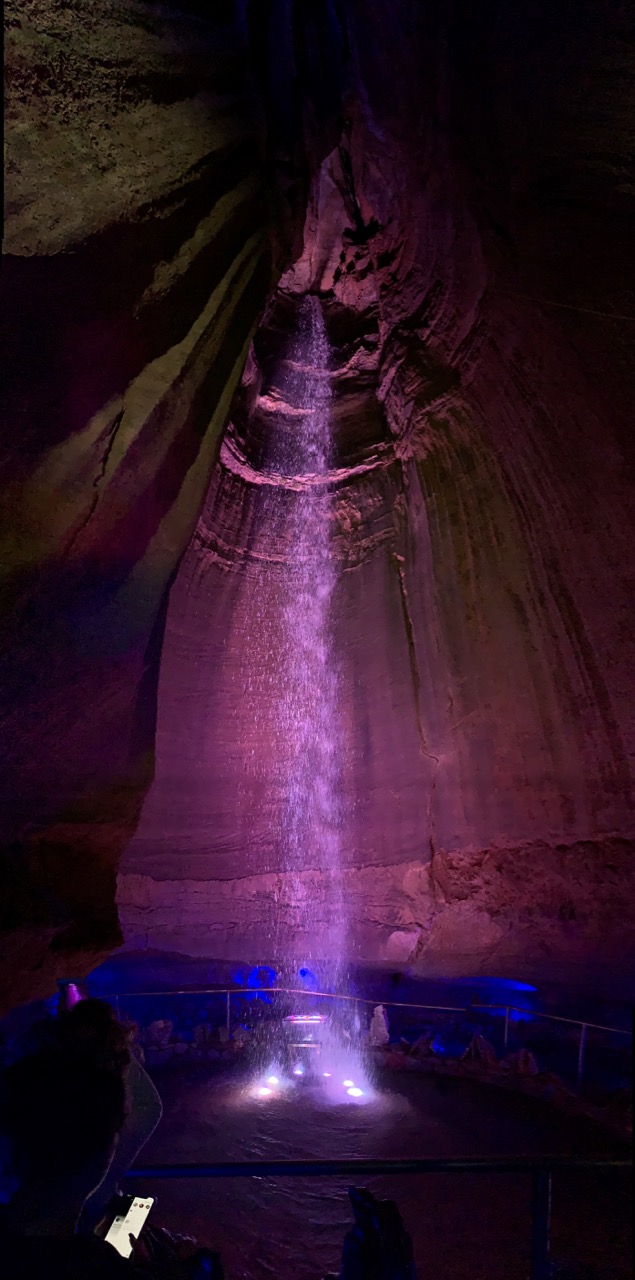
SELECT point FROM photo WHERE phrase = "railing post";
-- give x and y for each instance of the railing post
(228, 1011)
(506, 1028)
(583, 1031)
(540, 1221)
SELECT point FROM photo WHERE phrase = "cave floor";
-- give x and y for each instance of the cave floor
(463, 1226)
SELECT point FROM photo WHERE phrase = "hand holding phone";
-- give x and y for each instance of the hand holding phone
(130, 1223)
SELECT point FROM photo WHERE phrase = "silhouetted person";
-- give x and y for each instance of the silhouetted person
(378, 1246)
(62, 1113)
(60, 1116)
(91, 1028)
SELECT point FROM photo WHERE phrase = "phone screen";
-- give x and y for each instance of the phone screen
(129, 1224)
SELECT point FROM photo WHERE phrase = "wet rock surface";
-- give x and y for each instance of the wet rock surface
(458, 190)
(147, 215)
(482, 526)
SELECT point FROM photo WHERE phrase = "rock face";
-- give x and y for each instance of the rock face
(149, 209)
(468, 232)
(483, 527)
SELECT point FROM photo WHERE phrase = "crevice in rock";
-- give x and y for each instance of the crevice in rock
(398, 561)
(97, 482)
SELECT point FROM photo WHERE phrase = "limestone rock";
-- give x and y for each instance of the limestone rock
(159, 1034)
(242, 1036)
(483, 646)
(480, 1051)
(379, 1032)
(463, 928)
(523, 1061)
(401, 945)
(423, 1046)
(202, 1033)
(148, 212)
(472, 254)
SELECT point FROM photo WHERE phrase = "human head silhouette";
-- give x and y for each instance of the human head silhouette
(60, 1114)
(91, 1029)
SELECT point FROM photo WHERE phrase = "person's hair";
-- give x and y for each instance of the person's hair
(61, 1113)
(91, 1029)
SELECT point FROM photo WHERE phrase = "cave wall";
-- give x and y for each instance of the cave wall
(469, 229)
(469, 238)
(156, 180)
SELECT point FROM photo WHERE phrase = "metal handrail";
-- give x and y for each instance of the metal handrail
(389, 1004)
(385, 1165)
(541, 1169)
(289, 991)
(555, 1017)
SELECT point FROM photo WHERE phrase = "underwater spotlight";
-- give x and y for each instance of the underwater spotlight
(348, 1084)
(355, 1093)
(306, 1019)
(327, 1074)
(272, 1080)
(264, 1093)
(298, 1071)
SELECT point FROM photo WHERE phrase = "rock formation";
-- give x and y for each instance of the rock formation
(479, 500)
(156, 180)
(467, 229)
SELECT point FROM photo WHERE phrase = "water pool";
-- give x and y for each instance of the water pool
(464, 1227)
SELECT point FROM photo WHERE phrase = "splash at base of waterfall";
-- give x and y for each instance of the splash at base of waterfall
(340, 1079)
(312, 1051)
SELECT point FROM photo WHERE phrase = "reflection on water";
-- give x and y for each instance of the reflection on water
(464, 1227)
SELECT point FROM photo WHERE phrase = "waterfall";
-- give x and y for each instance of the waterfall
(299, 575)
(307, 694)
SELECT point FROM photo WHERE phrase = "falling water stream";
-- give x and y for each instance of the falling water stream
(306, 701)
(307, 695)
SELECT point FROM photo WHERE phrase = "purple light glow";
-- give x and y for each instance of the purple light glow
(309, 708)
(70, 994)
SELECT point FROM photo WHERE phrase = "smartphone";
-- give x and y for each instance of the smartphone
(129, 1223)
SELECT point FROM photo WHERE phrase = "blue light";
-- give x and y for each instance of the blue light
(507, 983)
(309, 978)
(450, 1044)
(504, 992)
(261, 976)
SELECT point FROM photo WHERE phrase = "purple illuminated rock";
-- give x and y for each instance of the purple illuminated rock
(148, 211)
(468, 233)
(484, 655)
